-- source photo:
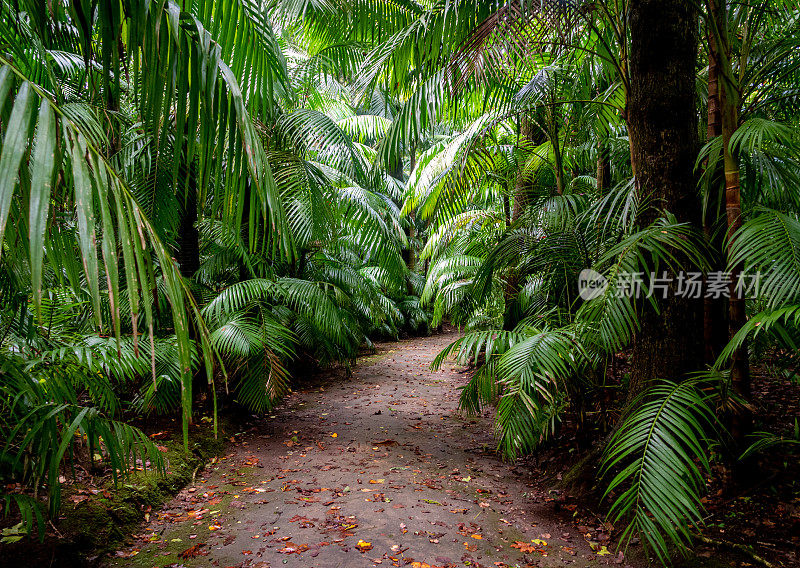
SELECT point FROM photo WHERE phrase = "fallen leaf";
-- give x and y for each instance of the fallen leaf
(292, 548)
(363, 546)
(602, 551)
(527, 547)
(192, 552)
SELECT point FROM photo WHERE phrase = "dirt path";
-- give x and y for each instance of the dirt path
(381, 458)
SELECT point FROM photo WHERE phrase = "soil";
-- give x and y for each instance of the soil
(375, 469)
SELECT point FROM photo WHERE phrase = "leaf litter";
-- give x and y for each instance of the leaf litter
(377, 469)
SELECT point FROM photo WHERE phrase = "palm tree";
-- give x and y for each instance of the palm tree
(267, 185)
(464, 187)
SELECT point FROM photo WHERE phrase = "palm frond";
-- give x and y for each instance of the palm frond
(657, 459)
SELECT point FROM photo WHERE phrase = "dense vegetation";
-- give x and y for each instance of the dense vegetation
(200, 198)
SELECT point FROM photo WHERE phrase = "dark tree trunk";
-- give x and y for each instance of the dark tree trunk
(244, 272)
(662, 125)
(409, 256)
(521, 189)
(188, 252)
(188, 241)
(552, 123)
(603, 168)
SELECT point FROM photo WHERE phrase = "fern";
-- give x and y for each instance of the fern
(657, 460)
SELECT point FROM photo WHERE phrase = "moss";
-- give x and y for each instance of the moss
(101, 524)
(371, 359)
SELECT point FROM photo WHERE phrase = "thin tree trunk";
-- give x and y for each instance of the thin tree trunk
(740, 364)
(188, 250)
(521, 188)
(729, 99)
(244, 272)
(603, 168)
(527, 129)
(662, 128)
(411, 258)
(556, 143)
(715, 310)
(188, 238)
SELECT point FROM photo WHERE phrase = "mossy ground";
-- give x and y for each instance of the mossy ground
(88, 530)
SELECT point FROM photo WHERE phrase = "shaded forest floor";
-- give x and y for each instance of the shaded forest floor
(374, 470)
(379, 469)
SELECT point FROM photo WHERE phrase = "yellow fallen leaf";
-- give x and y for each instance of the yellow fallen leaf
(363, 546)
(538, 542)
(603, 551)
(334, 435)
(377, 480)
(476, 536)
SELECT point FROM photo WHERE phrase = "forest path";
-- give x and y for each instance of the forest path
(382, 457)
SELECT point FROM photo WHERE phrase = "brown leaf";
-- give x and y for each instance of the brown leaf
(193, 552)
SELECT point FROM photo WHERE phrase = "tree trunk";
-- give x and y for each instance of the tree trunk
(188, 239)
(553, 135)
(603, 168)
(410, 257)
(662, 125)
(715, 310)
(188, 254)
(244, 272)
(729, 102)
(395, 170)
(527, 130)
(521, 188)
(740, 364)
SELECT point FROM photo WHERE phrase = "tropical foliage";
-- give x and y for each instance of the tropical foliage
(183, 190)
(206, 194)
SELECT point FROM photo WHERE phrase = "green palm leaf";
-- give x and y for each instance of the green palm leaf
(657, 458)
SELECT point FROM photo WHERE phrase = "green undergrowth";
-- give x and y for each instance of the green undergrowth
(100, 524)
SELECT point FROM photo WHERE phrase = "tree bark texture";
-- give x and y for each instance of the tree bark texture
(715, 310)
(662, 123)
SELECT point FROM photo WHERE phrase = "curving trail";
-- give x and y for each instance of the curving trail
(381, 458)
